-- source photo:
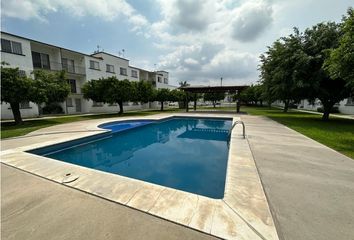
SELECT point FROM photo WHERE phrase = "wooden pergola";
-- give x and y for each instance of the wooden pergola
(214, 89)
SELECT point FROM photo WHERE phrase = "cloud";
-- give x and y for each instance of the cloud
(206, 63)
(107, 10)
(195, 40)
(250, 20)
(190, 15)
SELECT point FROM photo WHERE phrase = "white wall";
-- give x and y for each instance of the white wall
(23, 62)
(118, 63)
(53, 52)
(345, 107)
(31, 112)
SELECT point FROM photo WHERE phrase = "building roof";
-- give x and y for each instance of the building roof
(50, 45)
(112, 55)
(88, 55)
(208, 89)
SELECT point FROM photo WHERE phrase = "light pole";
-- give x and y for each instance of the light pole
(221, 81)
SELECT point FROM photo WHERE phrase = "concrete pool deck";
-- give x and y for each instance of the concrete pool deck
(243, 213)
(309, 186)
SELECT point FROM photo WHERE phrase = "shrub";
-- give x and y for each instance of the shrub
(52, 108)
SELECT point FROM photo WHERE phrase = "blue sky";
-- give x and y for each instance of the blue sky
(195, 40)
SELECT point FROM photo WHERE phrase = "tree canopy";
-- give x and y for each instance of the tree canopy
(47, 87)
(315, 64)
(214, 97)
(318, 42)
(109, 90)
(283, 68)
(340, 62)
(162, 95)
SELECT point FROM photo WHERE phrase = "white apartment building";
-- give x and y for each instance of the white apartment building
(28, 55)
(346, 106)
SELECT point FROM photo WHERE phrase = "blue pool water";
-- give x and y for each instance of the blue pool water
(188, 154)
(124, 125)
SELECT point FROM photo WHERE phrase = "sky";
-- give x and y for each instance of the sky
(198, 41)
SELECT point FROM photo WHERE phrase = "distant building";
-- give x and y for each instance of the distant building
(28, 55)
(345, 106)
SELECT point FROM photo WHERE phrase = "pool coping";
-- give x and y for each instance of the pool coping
(243, 213)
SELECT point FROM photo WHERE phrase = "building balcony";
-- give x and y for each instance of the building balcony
(57, 66)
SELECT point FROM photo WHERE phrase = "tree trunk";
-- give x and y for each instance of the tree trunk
(261, 103)
(120, 104)
(195, 105)
(286, 106)
(214, 103)
(15, 107)
(161, 105)
(326, 111)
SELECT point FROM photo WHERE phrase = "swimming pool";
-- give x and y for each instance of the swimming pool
(124, 125)
(189, 154)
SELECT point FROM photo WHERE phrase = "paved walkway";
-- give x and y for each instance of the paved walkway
(332, 114)
(310, 187)
(35, 208)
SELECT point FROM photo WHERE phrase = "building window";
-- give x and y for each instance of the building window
(97, 104)
(11, 46)
(94, 65)
(165, 80)
(159, 79)
(24, 105)
(16, 47)
(69, 102)
(6, 46)
(68, 65)
(72, 83)
(123, 71)
(134, 73)
(40, 60)
(109, 68)
(22, 73)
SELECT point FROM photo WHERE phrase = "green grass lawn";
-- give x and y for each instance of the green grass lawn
(10, 130)
(337, 133)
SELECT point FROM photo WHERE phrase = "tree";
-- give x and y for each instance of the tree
(109, 90)
(251, 95)
(213, 97)
(143, 91)
(340, 61)
(46, 88)
(318, 42)
(283, 68)
(184, 84)
(14, 90)
(162, 95)
(50, 87)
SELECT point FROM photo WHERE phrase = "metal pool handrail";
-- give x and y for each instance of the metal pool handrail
(243, 128)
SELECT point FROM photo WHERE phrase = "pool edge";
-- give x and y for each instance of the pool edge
(98, 184)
